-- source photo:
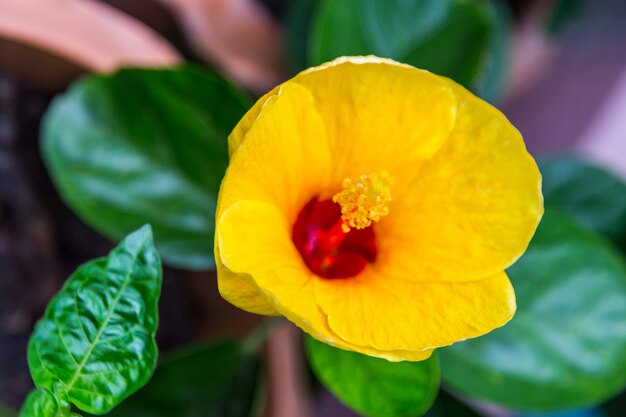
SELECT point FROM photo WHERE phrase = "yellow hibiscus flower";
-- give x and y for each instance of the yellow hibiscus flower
(376, 206)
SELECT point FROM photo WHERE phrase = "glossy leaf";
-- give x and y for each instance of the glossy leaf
(297, 24)
(461, 39)
(42, 403)
(491, 81)
(336, 31)
(394, 27)
(565, 346)
(458, 49)
(593, 196)
(375, 387)
(219, 380)
(145, 146)
(97, 335)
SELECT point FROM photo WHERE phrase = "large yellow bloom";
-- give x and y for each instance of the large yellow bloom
(376, 206)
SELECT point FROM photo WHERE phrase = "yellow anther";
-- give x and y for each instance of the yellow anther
(364, 200)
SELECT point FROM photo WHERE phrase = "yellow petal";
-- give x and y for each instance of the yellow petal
(380, 115)
(285, 138)
(386, 312)
(284, 158)
(255, 243)
(239, 132)
(473, 208)
(241, 292)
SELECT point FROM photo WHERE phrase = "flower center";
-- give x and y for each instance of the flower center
(334, 237)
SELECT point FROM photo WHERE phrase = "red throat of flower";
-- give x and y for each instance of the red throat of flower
(334, 236)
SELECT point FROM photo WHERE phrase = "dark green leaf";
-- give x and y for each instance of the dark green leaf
(394, 27)
(218, 380)
(41, 403)
(145, 146)
(336, 31)
(97, 335)
(564, 11)
(448, 406)
(565, 346)
(590, 194)
(375, 387)
(491, 80)
(463, 39)
(460, 47)
(297, 24)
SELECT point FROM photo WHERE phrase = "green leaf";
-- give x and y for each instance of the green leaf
(375, 387)
(145, 146)
(463, 39)
(460, 47)
(565, 346)
(492, 75)
(297, 24)
(42, 403)
(394, 27)
(220, 380)
(336, 31)
(97, 335)
(590, 194)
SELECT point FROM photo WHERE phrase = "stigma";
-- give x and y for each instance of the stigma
(364, 200)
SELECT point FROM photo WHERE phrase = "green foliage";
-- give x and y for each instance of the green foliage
(563, 12)
(145, 146)
(492, 75)
(593, 196)
(336, 31)
(458, 49)
(466, 40)
(375, 387)
(565, 346)
(96, 341)
(41, 403)
(219, 380)
(297, 22)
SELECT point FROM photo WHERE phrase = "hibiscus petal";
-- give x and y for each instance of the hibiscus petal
(284, 158)
(380, 115)
(473, 208)
(385, 312)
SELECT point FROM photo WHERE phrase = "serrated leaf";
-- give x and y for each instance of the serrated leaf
(97, 335)
(145, 146)
(565, 346)
(218, 380)
(590, 194)
(375, 387)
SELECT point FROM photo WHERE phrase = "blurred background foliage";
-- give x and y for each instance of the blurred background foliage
(148, 145)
